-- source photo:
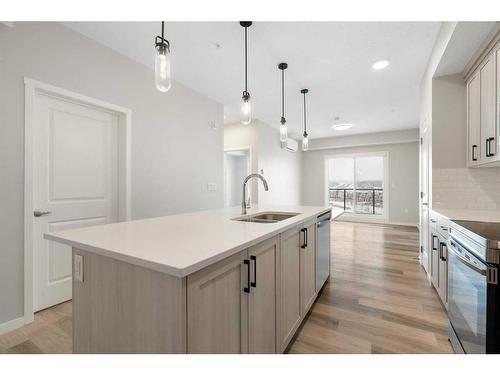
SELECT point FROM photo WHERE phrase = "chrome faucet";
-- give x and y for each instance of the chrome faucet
(244, 202)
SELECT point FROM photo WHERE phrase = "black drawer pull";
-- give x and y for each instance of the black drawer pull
(247, 288)
(254, 282)
(474, 153)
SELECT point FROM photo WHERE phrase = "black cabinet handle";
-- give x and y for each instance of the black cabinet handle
(247, 288)
(254, 282)
(488, 147)
(307, 237)
(304, 243)
(492, 139)
(442, 245)
(433, 242)
(474, 153)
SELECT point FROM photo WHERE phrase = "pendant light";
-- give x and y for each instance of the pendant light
(163, 78)
(246, 108)
(283, 130)
(305, 140)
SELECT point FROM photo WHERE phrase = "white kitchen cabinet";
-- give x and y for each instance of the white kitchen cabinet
(483, 111)
(435, 259)
(443, 272)
(474, 119)
(308, 268)
(289, 286)
(217, 307)
(488, 134)
(262, 317)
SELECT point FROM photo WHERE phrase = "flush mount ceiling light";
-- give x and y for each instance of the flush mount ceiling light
(341, 126)
(163, 78)
(246, 108)
(381, 64)
(283, 130)
(305, 140)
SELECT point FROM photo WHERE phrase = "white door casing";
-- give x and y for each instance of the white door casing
(424, 197)
(78, 172)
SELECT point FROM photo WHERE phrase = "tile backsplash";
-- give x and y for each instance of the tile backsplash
(466, 188)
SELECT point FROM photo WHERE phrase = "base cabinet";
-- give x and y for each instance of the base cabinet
(439, 255)
(435, 259)
(308, 269)
(262, 315)
(289, 286)
(443, 273)
(217, 307)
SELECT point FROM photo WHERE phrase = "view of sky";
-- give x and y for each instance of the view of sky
(368, 169)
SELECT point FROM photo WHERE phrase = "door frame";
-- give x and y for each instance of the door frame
(32, 87)
(249, 165)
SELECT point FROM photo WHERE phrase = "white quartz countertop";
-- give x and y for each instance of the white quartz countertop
(182, 244)
(489, 216)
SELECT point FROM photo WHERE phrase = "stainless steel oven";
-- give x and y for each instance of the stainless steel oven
(473, 293)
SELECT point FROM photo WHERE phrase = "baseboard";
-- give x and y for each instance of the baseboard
(11, 325)
(380, 221)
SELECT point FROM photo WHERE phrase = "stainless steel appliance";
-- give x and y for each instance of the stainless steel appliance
(473, 290)
(323, 249)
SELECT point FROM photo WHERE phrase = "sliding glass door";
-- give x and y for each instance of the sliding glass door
(356, 183)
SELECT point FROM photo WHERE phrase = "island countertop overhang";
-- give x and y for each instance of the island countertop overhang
(181, 244)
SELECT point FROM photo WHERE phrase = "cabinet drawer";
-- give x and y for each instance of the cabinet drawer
(433, 218)
(442, 227)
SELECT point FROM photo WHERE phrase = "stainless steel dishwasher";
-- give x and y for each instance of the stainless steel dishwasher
(323, 249)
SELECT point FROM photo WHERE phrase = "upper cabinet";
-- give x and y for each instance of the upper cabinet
(483, 101)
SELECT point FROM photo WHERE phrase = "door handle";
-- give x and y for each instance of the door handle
(38, 213)
(254, 282)
(304, 244)
(489, 143)
(247, 288)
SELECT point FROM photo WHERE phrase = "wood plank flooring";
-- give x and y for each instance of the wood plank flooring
(378, 300)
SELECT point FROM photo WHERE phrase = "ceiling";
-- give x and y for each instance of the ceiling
(332, 59)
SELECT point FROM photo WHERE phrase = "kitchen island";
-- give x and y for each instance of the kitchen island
(204, 282)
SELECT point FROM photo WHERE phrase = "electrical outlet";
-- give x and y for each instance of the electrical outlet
(78, 267)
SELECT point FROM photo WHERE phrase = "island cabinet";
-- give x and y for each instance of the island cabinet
(250, 302)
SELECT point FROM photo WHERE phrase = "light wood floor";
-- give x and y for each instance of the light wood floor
(378, 300)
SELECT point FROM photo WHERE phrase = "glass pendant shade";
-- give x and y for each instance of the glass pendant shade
(305, 143)
(163, 78)
(246, 111)
(283, 133)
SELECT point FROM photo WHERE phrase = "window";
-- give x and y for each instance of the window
(356, 183)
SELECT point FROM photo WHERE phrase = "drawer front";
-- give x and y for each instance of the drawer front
(433, 218)
(443, 225)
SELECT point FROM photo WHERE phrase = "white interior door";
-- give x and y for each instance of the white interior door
(236, 168)
(75, 172)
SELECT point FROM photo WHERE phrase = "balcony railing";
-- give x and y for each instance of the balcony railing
(359, 201)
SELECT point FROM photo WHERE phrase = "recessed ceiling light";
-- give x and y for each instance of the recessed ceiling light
(341, 126)
(381, 64)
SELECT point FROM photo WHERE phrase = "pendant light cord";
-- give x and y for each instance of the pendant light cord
(282, 93)
(246, 60)
(305, 125)
(162, 29)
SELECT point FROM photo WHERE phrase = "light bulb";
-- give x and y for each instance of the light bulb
(163, 78)
(246, 110)
(305, 143)
(283, 133)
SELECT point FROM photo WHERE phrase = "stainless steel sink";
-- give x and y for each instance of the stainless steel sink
(266, 217)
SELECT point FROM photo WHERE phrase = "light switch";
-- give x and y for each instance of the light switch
(211, 186)
(78, 267)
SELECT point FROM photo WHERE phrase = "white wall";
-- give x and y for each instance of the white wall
(175, 153)
(281, 168)
(403, 175)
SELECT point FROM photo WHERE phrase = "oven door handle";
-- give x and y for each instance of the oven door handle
(467, 262)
